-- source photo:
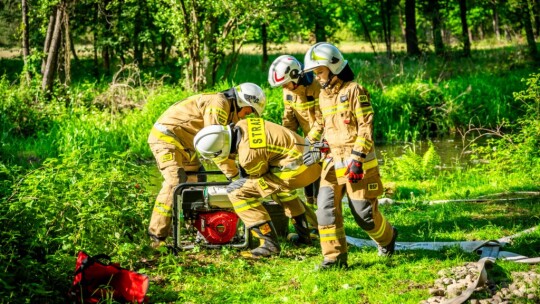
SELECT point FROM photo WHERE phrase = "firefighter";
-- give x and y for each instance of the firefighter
(300, 110)
(351, 166)
(271, 157)
(171, 142)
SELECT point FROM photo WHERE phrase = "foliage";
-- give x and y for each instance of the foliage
(20, 113)
(87, 200)
(418, 105)
(413, 167)
(519, 150)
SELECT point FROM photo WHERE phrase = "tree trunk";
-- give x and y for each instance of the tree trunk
(410, 28)
(464, 28)
(25, 42)
(536, 14)
(386, 13)
(437, 27)
(533, 51)
(66, 35)
(264, 36)
(402, 24)
(52, 57)
(72, 48)
(496, 28)
(106, 49)
(366, 32)
(94, 34)
(164, 48)
(48, 38)
(319, 31)
(138, 47)
(209, 65)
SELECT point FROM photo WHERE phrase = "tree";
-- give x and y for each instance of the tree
(25, 35)
(536, 14)
(206, 32)
(58, 46)
(410, 28)
(464, 28)
(434, 12)
(386, 9)
(525, 11)
(53, 48)
(496, 27)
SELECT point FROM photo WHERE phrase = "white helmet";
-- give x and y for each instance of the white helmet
(250, 95)
(283, 70)
(324, 54)
(214, 142)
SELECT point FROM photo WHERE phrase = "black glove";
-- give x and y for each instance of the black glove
(242, 172)
(355, 171)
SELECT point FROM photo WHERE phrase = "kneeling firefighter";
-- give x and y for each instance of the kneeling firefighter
(171, 142)
(271, 156)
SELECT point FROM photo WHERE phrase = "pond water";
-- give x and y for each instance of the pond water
(452, 150)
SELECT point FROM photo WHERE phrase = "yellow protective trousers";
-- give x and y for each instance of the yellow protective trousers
(363, 203)
(173, 166)
(247, 199)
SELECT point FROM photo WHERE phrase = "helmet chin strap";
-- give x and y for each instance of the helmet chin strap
(229, 94)
(327, 83)
(235, 140)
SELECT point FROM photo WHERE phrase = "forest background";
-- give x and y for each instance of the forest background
(83, 81)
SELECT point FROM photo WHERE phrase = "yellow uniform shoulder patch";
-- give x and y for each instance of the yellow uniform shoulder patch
(256, 133)
(166, 157)
(373, 187)
(262, 183)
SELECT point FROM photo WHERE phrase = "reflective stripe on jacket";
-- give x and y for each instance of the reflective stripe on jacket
(185, 118)
(348, 124)
(301, 109)
(281, 149)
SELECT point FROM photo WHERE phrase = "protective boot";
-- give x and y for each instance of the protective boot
(302, 235)
(388, 250)
(339, 263)
(268, 242)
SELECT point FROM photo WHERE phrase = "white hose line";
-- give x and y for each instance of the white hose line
(489, 250)
(481, 279)
(485, 198)
(468, 246)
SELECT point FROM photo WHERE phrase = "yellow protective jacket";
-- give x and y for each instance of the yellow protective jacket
(179, 124)
(301, 109)
(348, 126)
(269, 153)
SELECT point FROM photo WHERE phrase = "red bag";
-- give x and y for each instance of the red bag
(95, 281)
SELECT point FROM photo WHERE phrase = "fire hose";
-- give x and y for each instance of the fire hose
(489, 251)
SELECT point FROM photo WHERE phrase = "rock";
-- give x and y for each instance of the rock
(436, 292)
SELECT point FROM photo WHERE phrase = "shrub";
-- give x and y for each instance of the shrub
(86, 200)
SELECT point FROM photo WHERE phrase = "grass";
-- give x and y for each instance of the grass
(221, 276)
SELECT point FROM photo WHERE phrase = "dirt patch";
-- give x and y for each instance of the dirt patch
(10, 53)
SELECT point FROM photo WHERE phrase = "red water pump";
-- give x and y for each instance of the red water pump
(204, 216)
(217, 227)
